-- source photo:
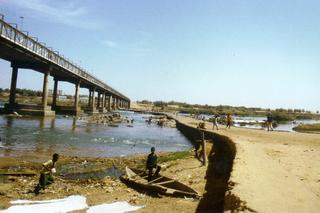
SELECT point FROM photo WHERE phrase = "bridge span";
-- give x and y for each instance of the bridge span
(26, 52)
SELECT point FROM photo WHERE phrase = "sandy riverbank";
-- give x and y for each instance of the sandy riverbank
(187, 169)
(273, 172)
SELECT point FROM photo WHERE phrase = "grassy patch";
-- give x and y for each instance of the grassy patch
(174, 156)
(308, 128)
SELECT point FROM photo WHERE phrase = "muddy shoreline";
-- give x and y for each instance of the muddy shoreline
(210, 181)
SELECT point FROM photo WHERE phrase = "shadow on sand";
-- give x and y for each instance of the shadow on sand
(220, 162)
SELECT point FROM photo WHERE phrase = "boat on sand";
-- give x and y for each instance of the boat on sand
(159, 184)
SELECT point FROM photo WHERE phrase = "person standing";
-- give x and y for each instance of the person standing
(229, 120)
(215, 122)
(152, 164)
(46, 175)
(269, 122)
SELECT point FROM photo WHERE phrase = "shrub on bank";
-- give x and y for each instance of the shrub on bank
(307, 128)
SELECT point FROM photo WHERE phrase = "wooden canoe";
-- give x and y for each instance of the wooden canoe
(159, 184)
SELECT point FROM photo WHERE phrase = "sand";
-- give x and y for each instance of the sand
(274, 171)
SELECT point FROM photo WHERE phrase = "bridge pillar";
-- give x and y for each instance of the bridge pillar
(54, 95)
(46, 111)
(103, 103)
(13, 87)
(117, 103)
(45, 89)
(109, 103)
(76, 96)
(89, 99)
(93, 99)
(114, 99)
(99, 100)
(104, 100)
(92, 108)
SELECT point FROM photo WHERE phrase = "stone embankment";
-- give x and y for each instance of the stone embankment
(220, 162)
(271, 172)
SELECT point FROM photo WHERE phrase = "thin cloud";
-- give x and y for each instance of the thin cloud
(64, 13)
(141, 46)
(109, 43)
(142, 49)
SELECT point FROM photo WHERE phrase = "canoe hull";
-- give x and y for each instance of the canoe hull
(159, 184)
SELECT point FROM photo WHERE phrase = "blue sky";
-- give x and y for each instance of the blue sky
(241, 52)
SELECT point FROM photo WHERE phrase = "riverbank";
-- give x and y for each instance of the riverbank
(272, 172)
(179, 165)
(308, 128)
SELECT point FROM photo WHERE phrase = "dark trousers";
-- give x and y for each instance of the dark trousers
(150, 172)
(45, 179)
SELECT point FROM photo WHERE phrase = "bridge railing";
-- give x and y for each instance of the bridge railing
(12, 34)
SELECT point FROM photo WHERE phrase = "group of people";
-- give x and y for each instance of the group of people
(152, 168)
(48, 169)
(228, 121)
(215, 121)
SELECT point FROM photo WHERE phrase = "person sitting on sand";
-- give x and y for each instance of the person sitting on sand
(269, 122)
(229, 120)
(46, 176)
(152, 164)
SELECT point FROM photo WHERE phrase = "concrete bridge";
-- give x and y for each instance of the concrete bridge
(24, 51)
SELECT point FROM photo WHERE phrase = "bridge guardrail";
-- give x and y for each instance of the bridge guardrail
(14, 35)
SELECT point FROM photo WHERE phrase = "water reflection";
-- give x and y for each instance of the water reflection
(71, 136)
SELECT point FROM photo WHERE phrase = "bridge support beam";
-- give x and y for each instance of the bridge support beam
(109, 103)
(114, 103)
(13, 87)
(99, 100)
(92, 103)
(55, 94)
(89, 99)
(117, 103)
(76, 96)
(104, 100)
(46, 110)
(39, 110)
(103, 103)
(93, 99)
(45, 89)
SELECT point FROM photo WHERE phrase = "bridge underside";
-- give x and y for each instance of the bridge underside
(22, 58)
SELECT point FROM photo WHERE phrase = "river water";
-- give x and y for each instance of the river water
(73, 137)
